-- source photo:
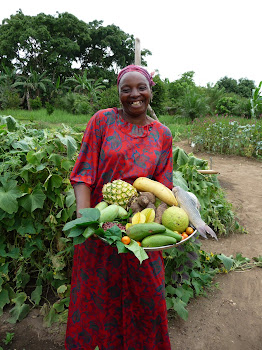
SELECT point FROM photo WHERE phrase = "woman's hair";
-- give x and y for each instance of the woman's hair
(135, 68)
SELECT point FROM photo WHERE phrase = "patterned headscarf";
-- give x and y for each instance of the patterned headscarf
(135, 68)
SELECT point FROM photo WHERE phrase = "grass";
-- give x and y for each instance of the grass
(182, 128)
(41, 116)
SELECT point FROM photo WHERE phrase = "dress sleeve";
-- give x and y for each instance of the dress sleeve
(164, 168)
(85, 168)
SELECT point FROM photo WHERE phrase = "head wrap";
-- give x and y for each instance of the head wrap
(135, 68)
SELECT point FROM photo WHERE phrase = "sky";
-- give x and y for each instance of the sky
(213, 38)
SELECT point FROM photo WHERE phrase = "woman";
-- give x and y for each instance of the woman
(116, 303)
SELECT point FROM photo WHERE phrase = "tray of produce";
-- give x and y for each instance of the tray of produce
(142, 217)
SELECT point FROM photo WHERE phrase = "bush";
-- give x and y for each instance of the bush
(159, 96)
(35, 103)
(226, 105)
(49, 108)
(76, 104)
(109, 98)
(194, 104)
(9, 99)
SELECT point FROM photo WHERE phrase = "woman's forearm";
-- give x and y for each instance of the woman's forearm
(83, 195)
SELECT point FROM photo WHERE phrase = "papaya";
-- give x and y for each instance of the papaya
(140, 231)
(109, 214)
(158, 240)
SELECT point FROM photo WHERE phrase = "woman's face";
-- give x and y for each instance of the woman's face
(134, 94)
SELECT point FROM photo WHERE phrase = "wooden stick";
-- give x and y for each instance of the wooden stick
(137, 52)
(208, 171)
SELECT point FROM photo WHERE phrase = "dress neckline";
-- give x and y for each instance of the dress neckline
(133, 130)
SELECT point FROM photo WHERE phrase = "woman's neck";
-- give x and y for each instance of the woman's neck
(137, 120)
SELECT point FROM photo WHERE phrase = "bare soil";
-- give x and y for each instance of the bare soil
(230, 316)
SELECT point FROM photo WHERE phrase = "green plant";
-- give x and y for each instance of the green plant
(76, 103)
(109, 98)
(36, 199)
(215, 210)
(36, 103)
(226, 105)
(9, 99)
(194, 104)
(228, 137)
(49, 108)
(8, 338)
(256, 100)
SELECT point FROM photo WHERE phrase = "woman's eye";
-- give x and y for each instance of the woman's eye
(125, 91)
(143, 88)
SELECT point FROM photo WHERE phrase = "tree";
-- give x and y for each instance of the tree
(245, 87)
(229, 84)
(54, 44)
(32, 84)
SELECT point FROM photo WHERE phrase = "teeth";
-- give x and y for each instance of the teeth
(137, 103)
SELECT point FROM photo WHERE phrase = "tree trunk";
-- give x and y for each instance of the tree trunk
(28, 100)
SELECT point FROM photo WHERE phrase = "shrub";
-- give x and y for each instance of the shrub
(49, 108)
(226, 105)
(194, 104)
(159, 96)
(76, 103)
(36, 103)
(9, 99)
(109, 98)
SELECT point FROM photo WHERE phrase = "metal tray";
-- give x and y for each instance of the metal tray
(153, 249)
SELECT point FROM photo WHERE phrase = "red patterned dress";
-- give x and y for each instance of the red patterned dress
(117, 303)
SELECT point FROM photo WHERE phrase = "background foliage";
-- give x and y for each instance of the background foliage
(36, 200)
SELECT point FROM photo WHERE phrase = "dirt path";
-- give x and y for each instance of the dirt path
(230, 317)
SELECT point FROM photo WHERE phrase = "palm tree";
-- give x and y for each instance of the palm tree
(33, 83)
(91, 87)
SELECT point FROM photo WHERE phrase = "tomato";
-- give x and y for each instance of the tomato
(184, 235)
(189, 230)
(126, 239)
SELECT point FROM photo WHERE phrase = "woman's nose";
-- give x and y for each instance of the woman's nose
(134, 92)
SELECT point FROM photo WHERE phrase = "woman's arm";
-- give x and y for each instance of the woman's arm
(82, 194)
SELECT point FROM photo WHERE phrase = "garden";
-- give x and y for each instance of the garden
(42, 119)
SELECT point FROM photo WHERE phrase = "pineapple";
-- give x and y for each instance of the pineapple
(118, 192)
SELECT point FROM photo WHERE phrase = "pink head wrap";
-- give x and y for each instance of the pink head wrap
(135, 68)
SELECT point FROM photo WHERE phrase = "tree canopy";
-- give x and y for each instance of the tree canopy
(57, 44)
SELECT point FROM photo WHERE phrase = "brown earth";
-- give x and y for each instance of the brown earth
(230, 317)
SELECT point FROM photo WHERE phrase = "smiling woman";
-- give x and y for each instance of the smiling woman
(117, 303)
(135, 93)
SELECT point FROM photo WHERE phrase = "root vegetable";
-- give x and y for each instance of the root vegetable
(159, 212)
(151, 197)
(143, 201)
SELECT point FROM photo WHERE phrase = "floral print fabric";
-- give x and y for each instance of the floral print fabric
(116, 302)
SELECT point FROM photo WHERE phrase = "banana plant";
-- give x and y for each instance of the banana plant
(256, 100)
